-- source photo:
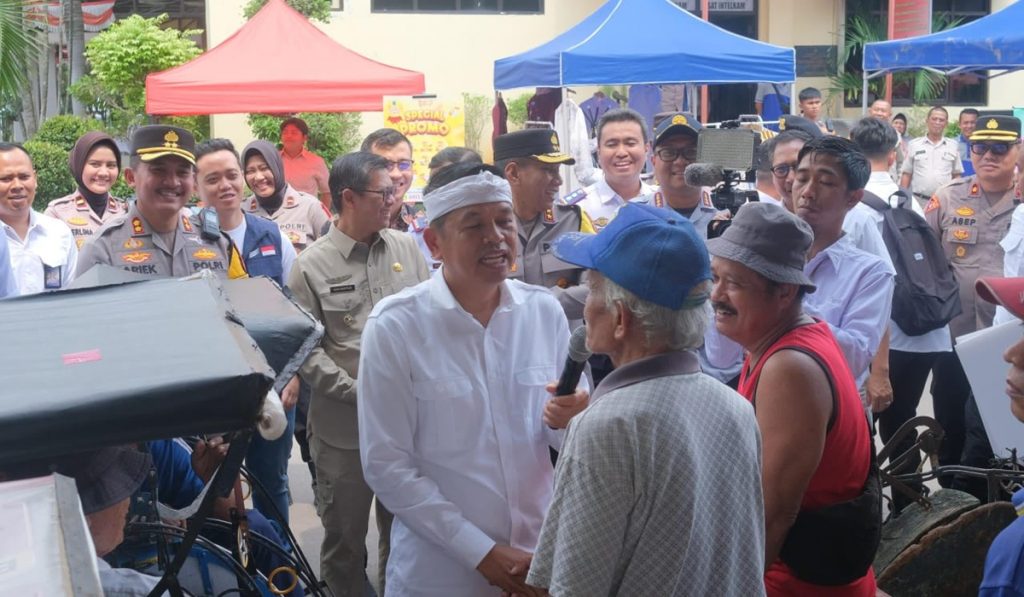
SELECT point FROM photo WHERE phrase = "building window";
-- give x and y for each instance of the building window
(919, 87)
(465, 6)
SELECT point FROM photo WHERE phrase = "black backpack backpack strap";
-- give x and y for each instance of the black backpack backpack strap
(874, 201)
(903, 198)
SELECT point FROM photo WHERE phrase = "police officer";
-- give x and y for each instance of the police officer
(971, 216)
(675, 148)
(530, 160)
(155, 237)
(622, 145)
(95, 163)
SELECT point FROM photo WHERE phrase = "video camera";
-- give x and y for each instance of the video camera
(725, 158)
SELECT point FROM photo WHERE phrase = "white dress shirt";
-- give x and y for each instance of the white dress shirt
(854, 296)
(46, 258)
(937, 340)
(602, 203)
(8, 285)
(1013, 258)
(451, 432)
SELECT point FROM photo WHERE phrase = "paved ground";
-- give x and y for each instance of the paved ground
(306, 525)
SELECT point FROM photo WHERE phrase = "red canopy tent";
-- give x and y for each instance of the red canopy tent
(278, 62)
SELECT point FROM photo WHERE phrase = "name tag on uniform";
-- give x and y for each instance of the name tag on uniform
(51, 277)
(345, 288)
(920, 152)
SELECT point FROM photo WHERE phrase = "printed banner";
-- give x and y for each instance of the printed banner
(96, 16)
(431, 124)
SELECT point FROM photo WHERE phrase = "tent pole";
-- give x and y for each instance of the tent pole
(705, 13)
(864, 93)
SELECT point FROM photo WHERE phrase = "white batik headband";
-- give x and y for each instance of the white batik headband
(469, 190)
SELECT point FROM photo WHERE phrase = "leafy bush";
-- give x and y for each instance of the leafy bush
(475, 107)
(517, 111)
(65, 129)
(314, 9)
(53, 176)
(331, 135)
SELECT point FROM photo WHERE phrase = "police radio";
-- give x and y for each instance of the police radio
(209, 224)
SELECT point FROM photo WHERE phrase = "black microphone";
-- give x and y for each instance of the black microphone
(703, 175)
(574, 363)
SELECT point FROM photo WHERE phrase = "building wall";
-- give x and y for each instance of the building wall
(457, 52)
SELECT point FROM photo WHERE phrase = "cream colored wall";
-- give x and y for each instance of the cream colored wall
(456, 53)
(802, 23)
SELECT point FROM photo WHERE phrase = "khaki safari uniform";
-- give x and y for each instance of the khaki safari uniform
(74, 211)
(128, 242)
(970, 223)
(301, 217)
(339, 281)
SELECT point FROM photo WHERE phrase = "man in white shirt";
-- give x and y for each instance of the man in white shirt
(43, 252)
(855, 287)
(8, 285)
(455, 417)
(622, 145)
(932, 160)
(910, 357)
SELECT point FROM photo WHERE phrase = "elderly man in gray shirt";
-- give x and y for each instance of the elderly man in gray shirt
(657, 490)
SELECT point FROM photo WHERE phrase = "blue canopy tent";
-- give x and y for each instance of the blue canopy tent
(993, 42)
(666, 44)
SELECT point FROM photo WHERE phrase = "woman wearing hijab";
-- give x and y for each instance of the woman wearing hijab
(301, 216)
(95, 163)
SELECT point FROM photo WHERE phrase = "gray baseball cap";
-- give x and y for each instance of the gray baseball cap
(769, 240)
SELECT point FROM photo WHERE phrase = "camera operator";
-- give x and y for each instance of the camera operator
(675, 148)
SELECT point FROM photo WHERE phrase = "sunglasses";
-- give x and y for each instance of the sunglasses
(996, 148)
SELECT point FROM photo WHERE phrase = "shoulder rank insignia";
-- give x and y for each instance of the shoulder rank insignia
(253, 205)
(186, 223)
(705, 199)
(659, 199)
(112, 204)
(549, 216)
(975, 190)
(80, 202)
(290, 202)
(575, 197)
(137, 227)
(933, 204)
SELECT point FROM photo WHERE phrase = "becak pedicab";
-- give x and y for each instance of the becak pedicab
(128, 363)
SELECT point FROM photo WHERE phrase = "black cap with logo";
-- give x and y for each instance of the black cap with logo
(539, 144)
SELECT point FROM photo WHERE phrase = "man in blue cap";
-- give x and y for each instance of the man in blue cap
(640, 505)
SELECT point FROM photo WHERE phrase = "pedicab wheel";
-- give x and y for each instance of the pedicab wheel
(273, 574)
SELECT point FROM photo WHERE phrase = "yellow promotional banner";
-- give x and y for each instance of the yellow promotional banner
(430, 123)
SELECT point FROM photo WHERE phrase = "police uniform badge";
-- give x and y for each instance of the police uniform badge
(961, 251)
(975, 190)
(80, 202)
(680, 119)
(549, 216)
(554, 143)
(933, 204)
(992, 124)
(137, 227)
(185, 222)
(575, 197)
(659, 199)
(76, 221)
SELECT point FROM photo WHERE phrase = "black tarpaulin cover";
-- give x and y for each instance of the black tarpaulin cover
(111, 365)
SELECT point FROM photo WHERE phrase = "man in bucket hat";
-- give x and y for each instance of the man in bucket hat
(639, 506)
(816, 441)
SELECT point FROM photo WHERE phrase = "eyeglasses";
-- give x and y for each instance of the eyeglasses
(670, 155)
(995, 148)
(402, 165)
(783, 170)
(385, 194)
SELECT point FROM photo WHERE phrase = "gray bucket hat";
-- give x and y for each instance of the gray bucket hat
(769, 240)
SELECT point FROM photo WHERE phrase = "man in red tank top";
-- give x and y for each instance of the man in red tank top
(816, 449)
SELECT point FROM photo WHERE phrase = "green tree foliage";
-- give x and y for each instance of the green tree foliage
(517, 111)
(121, 57)
(476, 108)
(314, 9)
(53, 176)
(65, 129)
(330, 135)
(18, 44)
